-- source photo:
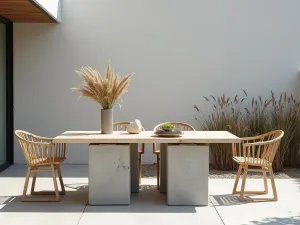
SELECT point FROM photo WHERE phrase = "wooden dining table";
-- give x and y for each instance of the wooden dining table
(113, 164)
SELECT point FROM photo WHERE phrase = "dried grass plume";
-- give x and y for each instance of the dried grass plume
(105, 90)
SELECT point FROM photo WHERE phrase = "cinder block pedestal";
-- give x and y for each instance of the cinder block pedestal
(163, 167)
(187, 174)
(134, 167)
(109, 174)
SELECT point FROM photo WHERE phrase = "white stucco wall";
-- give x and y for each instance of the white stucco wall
(179, 50)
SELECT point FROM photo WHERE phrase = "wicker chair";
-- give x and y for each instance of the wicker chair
(122, 126)
(255, 152)
(178, 126)
(41, 155)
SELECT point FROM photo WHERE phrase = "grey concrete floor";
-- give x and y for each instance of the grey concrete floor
(147, 207)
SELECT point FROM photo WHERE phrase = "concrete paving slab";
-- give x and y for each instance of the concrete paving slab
(148, 207)
(14, 212)
(235, 212)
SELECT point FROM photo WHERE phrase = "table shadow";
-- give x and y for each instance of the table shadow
(148, 200)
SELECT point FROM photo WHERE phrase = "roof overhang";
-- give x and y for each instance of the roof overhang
(31, 11)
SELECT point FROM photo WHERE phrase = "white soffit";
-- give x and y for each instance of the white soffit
(51, 7)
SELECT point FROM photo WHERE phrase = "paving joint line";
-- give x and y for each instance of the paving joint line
(82, 212)
(217, 211)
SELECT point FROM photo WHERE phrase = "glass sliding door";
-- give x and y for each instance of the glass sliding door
(3, 157)
(2, 94)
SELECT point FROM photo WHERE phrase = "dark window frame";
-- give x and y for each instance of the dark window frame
(9, 95)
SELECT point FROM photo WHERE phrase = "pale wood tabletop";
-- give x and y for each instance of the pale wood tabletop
(199, 137)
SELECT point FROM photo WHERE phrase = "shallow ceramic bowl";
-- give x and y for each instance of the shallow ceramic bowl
(173, 133)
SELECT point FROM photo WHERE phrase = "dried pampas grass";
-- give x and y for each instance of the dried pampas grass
(103, 90)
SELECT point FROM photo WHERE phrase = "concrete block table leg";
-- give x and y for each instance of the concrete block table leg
(163, 168)
(187, 171)
(109, 174)
(134, 167)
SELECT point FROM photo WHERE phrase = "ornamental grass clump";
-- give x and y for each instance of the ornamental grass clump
(105, 90)
(285, 115)
(246, 117)
(226, 115)
(256, 115)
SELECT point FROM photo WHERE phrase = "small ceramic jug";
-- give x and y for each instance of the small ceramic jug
(134, 127)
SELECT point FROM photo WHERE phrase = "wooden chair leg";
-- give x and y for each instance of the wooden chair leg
(63, 191)
(26, 184)
(244, 182)
(157, 170)
(273, 184)
(33, 182)
(33, 192)
(275, 198)
(265, 182)
(55, 183)
(234, 191)
(56, 192)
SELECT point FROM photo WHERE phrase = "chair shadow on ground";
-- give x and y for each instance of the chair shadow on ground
(148, 200)
(226, 200)
(231, 200)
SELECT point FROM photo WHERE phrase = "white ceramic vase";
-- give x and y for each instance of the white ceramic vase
(106, 121)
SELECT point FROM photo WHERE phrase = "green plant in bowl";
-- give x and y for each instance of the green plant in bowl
(167, 127)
